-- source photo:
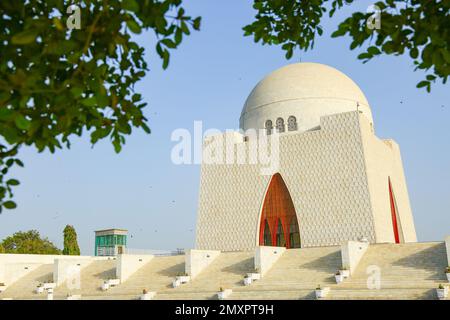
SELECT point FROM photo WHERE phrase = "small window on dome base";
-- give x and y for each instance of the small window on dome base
(292, 123)
(269, 127)
(280, 125)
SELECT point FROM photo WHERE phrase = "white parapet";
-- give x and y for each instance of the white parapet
(127, 264)
(322, 292)
(251, 277)
(222, 295)
(447, 246)
(110, 283)
(197, 260)
(11, 272)
(15, 266)
(147, 296)
(69, 269)
(265, 257)
(351, 253)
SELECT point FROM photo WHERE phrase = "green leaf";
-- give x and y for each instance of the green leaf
(21, 122)
(4, 96)
(133, 26)
(77, 92)
(319, 31)
(364, 55)
(196, 23)
(9, 162)
(414, 53)
(24, 37)
(169, 43)
(9, 204)
(146, 128)
(166, 58)
(12, 182)
(446, 54)
(5, 114)
(19, 163)
(89, 102)
(136, 97)
(184, 28)
(102, 100)
(289, 53)
(178, 35)
(338, 33)
(130, 5)
(373, 50)
(100, 134)
(422, 84)
(117, 146)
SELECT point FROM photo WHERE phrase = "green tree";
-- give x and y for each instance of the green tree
(2, 250)
(70, 242)
(418, 28)
(57, 82)
(29, 242)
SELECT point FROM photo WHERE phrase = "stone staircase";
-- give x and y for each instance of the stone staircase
(156, 275)
(295, 275)
(92, 277)
(407, 271)
(24, 288)
(226, 271)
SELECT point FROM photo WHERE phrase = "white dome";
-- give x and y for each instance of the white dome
(306, 91)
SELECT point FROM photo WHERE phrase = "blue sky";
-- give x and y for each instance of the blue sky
(208, 79)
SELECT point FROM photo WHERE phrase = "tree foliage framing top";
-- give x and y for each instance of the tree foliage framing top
(57, 82)
(420, 28)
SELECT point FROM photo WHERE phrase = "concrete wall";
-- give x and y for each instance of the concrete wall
(27, 258)
(197, 260)
(447, 246)
(383, 160)
(265, 257)
(15, 266)
(69, 268)
(351, 253)
(12, 272)
(128, 264)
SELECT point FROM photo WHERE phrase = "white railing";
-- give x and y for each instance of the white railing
(154, 252)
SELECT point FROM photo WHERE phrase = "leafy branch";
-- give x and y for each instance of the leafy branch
(419, 28)
(56, 83)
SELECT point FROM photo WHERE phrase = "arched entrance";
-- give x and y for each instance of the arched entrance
(394, 213)
(278, 225)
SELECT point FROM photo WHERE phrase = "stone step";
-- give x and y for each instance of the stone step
(408, 271)
(205, 295)
(156, 275)
(226, 271)
(305, 294)
(385, 294)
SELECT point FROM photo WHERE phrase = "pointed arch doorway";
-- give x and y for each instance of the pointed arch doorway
(394, 215)
(278, 225)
